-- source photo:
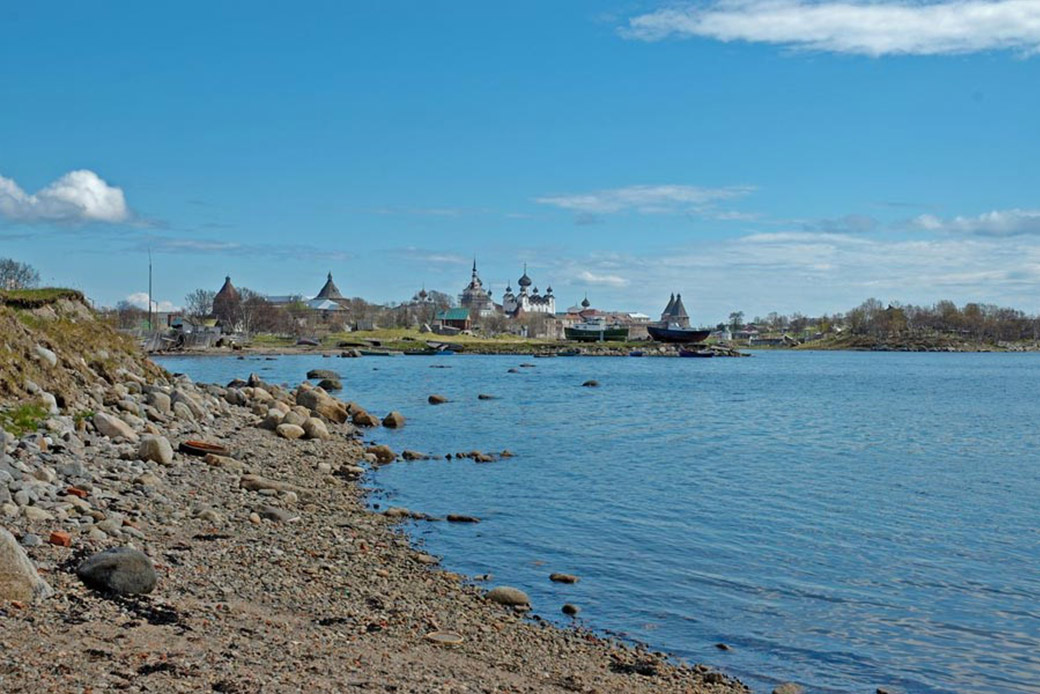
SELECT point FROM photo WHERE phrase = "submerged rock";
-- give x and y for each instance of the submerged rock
(394, 420)
(563, 578)
(120, 570)
(436, 399)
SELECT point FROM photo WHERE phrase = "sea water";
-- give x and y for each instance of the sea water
(842, 520)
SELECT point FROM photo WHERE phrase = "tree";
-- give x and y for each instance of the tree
(736, 320)
(199, 303)
(15, 275)
(129, 316)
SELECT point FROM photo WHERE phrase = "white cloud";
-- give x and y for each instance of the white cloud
(646, 199)
(995, 223)
(602, 280)
(78, 196)
(140, 300)
(861, 28)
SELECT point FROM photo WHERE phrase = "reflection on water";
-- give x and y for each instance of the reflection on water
(843, 520)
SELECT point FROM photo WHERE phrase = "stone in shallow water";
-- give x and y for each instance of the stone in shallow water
(506, 595)
(121, 570)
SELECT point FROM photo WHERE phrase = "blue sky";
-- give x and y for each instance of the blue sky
(756, 155)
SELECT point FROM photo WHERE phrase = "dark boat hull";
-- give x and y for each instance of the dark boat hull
(681, 335)
(607, 334)
(703, 353)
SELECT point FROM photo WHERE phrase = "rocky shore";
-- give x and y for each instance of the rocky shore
(253, 568)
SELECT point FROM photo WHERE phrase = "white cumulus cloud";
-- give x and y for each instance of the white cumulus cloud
(646, 199)
(78, 196)
(140, 300)
(858, 27)
(995, 223)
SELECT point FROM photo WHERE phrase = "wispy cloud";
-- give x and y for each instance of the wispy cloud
(644, 199)
(995, 223)
(195, 246)
(78, 196)
(602, 280)
(849, 224)
(429, 257)
(855, 27)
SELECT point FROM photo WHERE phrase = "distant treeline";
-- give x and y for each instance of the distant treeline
(984, 322)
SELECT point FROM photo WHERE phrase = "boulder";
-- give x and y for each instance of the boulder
(113, 427)
(331, 384)
(46, 356)
(459, 518)
(161, 401)
(563, 578)
(290, 431)
(314, 428)
(485, 396)
(18, 577)
(383, 454)
(505, 595)
(120, 570)
(272, 420)
(436, 399)
(362, 418)
(413, 455)
(317, 374)
(394, 420)
(321, 403)
(295, 417)
(788, 688)
(570, 610)
(155, 448)
(590, 384)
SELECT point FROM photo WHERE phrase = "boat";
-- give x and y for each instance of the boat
(569, 353)
(596, 330)
(703, 353)
(675, 333)
(428, 352)
(636, 353)
(378, 353)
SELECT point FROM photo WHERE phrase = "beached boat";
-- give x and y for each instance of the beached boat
(636, 353)
(703, 353)
(596, 330)
(674, 333)
(569, 353)
(378, 353)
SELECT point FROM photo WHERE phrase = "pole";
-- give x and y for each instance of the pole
(150, 326)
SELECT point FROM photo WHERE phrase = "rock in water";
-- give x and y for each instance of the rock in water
(563, 578)
(121, 570)
(18, 577)
(331, 384)
(362, 418)
(505, 595)
(570, 610)
(384, 454)
(788, 688)
(155, 448)
(591, 384)
(394, 420)
(113, 427)
(322, 373)
(436, 399)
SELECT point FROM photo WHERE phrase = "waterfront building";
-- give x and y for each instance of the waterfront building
(328, 298)
(675, 313)
(527, 299)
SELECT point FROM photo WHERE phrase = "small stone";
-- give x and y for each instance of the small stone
(413, 455)
(563, 578)
(590, 384)
(506, 595)
(35, 513)
(436, 399)
(60, 538)
(254, 518)
(30, 540)
(722, 647)
(290, 431)
(272, 513)
(485, 396)
(506, 454)
(120, 570)
(394, 420)
(570, 610)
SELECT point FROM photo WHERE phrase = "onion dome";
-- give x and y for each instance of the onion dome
(548, 290)
(524, 281)
(585, 302)
(422, 293)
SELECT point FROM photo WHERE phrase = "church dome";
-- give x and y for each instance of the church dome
(585, 302)
(524, 281)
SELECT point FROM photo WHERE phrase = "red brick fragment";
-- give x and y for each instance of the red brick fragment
(60, 538)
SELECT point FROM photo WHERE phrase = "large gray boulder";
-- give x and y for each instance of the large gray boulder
(18, 577)
(120, 570)
(114, 427)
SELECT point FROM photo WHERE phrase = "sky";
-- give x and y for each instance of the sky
(754, 155)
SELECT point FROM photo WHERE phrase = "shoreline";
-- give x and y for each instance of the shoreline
(262, 583)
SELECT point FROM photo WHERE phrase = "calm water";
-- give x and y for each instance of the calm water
(843, 520)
